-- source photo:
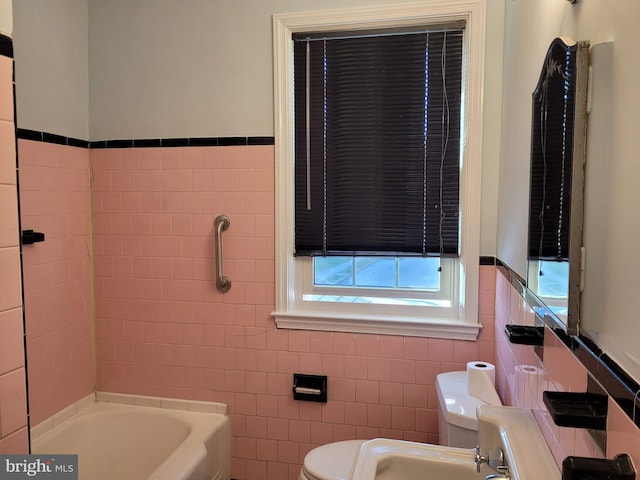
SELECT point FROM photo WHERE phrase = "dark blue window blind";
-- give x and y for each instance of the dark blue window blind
(377, 143)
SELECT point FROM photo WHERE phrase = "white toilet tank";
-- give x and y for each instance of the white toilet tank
(457, 420)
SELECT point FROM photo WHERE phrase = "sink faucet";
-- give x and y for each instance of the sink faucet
(495, 460)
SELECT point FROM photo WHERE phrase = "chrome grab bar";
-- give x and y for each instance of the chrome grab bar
(222, 283)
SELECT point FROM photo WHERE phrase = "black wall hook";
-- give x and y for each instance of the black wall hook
(29, 237)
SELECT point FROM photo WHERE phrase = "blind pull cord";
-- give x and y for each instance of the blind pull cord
(308, 122)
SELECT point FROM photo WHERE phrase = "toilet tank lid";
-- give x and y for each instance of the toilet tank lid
(332, 461)
(457, 406)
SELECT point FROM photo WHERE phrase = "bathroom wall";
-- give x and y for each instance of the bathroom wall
(52, 97)
(52, 66)
(522, 376)
(207, 70)
(529, 28)
(13, 399)
(6, 18)
(164, 329)
(57, 273)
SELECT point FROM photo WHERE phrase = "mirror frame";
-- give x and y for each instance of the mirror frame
(579, 143)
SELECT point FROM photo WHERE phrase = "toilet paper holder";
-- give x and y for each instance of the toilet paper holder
(312, 388)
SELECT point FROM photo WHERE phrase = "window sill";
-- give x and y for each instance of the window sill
(381, 325)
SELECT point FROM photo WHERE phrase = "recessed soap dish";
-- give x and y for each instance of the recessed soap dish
(577, 409)
(525, 334)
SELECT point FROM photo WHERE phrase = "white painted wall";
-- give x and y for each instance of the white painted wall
(163, 68)
(52, 66)
(530, 27)
(194, 68)
(6, 18)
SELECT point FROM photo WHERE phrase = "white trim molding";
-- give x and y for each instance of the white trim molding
(288, 312)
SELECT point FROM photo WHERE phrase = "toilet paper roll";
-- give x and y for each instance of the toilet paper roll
(481, 381)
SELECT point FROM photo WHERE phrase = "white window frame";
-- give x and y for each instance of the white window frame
(290, 310)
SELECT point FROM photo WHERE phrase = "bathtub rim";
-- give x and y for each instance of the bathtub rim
(125, 399)
(192, 452)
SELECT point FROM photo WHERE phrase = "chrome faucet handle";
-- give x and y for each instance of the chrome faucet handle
(495, 460)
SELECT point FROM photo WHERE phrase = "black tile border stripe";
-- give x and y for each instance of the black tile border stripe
(26, 134)
(46, 137)
(624, 390)
(260, 141)
(6, 46)
(618, 384)
(485, 261)
(29, 135)
(184, 142)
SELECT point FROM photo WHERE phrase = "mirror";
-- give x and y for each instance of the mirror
(556, 197)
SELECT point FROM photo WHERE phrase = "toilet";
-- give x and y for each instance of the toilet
(332, 461)
(457, 423)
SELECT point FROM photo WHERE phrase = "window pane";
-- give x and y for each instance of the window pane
(376, 272)
(333, 271)
(552, 281)
(422, 273)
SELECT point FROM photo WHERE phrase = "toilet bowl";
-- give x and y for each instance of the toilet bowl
(332, 461)
(457, 419)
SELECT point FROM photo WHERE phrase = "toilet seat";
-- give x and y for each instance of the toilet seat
(332, 461)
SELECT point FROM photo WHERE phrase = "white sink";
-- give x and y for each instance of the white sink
(514, 430)
(385, 459)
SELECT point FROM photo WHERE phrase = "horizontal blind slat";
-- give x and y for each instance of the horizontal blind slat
(375, 146)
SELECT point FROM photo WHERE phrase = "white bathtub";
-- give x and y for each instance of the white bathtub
(127, 442)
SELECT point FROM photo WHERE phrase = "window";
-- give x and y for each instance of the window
(548, 279)
(353, 293)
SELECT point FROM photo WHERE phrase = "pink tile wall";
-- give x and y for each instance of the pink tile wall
(521, 377)
(55, 199)
(163, 328)
(13, 411)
